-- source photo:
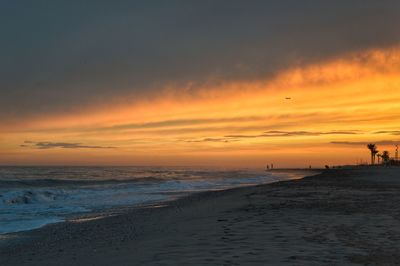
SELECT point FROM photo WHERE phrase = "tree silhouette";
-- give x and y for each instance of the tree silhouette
(372, 148)
(385, 157)
(375, 152)
(379, 157)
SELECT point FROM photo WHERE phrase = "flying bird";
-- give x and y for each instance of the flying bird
(288, 98)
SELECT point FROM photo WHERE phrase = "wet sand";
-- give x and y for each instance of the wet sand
(339, 217)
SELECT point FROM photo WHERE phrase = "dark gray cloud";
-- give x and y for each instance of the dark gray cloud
(64, 145)
(278, 133)
(380, 142)
(58, 56)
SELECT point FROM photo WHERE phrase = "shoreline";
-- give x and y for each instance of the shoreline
(170, 196)
(272, 223)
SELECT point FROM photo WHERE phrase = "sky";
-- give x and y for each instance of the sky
(198, 83)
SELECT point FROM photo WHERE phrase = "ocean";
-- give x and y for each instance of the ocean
(31, 197)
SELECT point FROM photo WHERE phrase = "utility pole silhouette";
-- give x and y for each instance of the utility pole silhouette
(396, 156)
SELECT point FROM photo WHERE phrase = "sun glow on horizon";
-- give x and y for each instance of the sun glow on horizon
(308, 115)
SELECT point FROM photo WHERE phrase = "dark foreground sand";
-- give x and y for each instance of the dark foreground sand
(340, 217)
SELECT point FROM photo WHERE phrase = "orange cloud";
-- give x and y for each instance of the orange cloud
(357, 93)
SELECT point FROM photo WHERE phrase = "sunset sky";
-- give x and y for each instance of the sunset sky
(198, 83)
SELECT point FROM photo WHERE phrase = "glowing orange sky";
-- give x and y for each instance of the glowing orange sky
(335, 107)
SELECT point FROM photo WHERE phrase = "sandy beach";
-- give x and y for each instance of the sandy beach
(339, 217)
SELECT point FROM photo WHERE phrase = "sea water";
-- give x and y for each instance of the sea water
(31, 197)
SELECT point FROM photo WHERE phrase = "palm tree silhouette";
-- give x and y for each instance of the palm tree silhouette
(375, 152)
(372, 148)
(379, 157)
(385, 157)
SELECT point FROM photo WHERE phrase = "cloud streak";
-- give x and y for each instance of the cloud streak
(358, 143)
(266, 134)
(391, 132)
(43, 145)
(181, 122)
(277, 133)
(223, 140)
